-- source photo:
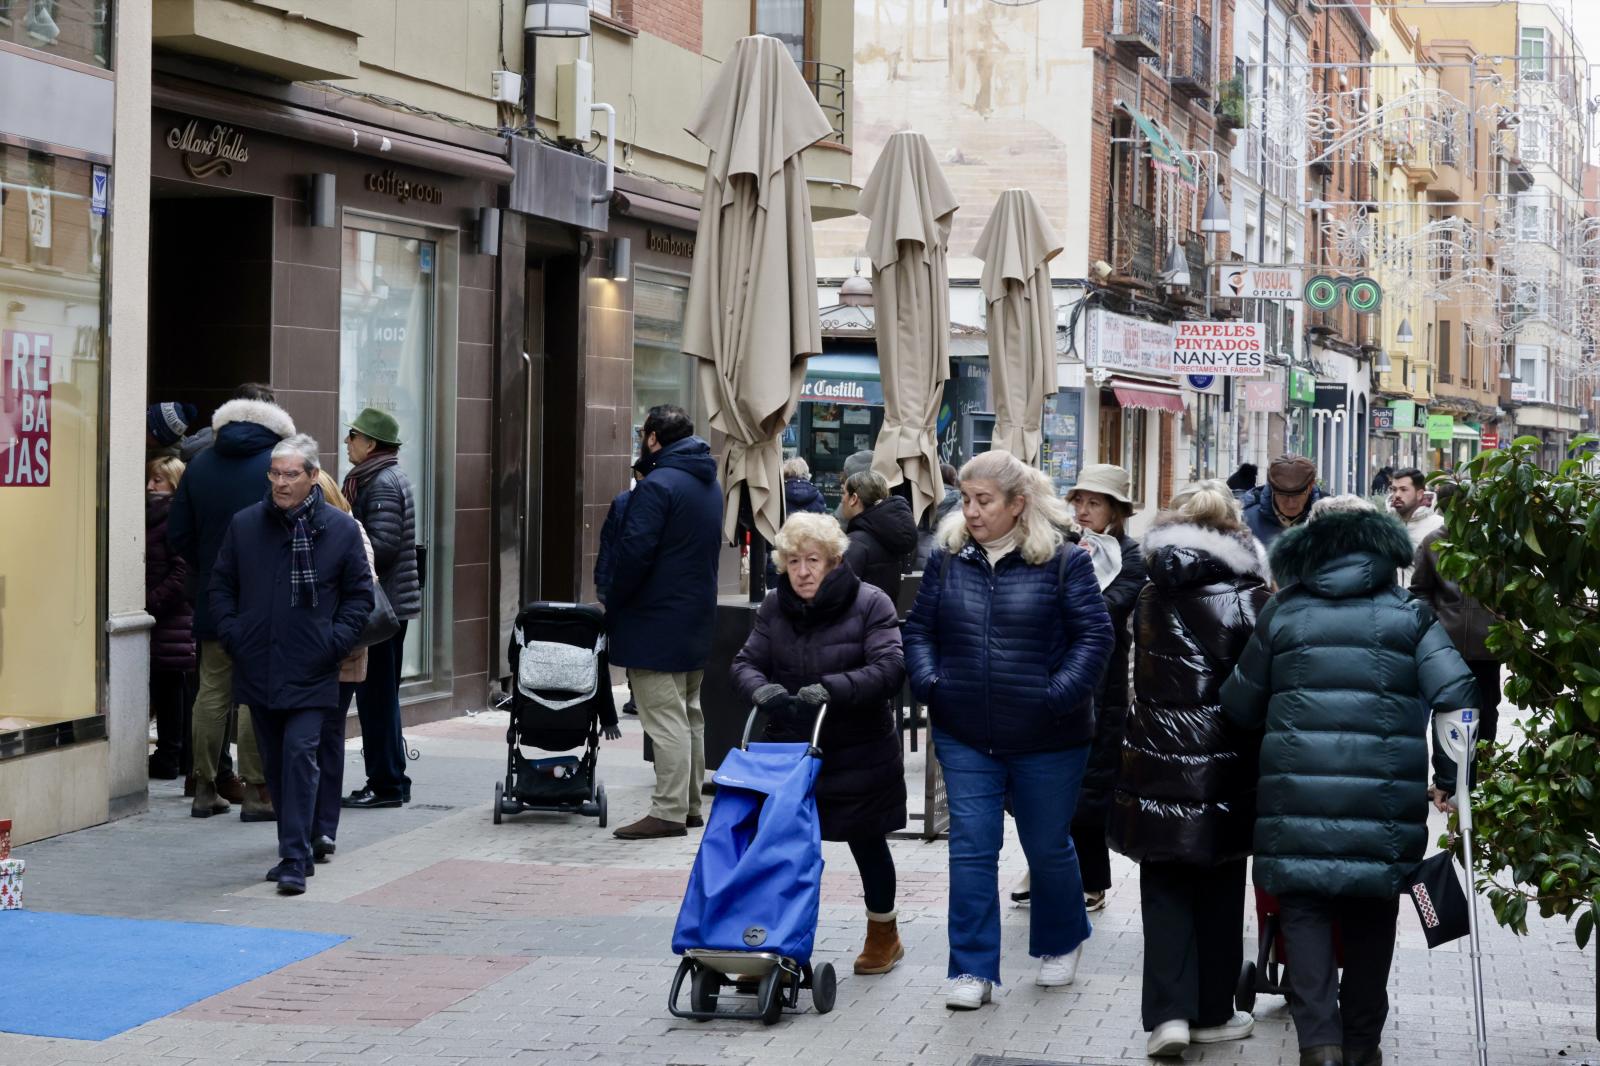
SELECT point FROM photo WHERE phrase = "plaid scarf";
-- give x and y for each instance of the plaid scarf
(302, 567)
(364, 471)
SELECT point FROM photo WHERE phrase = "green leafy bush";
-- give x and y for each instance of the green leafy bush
(1526, 543)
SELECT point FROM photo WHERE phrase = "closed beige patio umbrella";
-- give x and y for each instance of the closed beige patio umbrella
(751, 317)
(1016, 244)
(911, 207)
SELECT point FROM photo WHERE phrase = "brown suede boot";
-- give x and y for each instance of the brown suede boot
(883, 948)
(230, 787)
(206, 801)
(257, 805)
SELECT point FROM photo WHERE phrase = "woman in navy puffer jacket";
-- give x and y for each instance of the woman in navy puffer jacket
(1006, 645)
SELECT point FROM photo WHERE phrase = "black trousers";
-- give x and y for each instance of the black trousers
(1193, 941)
(1094, 856)
(172, 695)
(330, 766)
(288, 744)
(378, 706)
(1487, 675)
(876, 865)
(1327, 1010)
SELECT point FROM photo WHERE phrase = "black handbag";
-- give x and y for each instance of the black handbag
(382, 623)
(1441, 904)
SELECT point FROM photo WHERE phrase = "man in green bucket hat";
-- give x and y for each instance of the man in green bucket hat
(381, 499)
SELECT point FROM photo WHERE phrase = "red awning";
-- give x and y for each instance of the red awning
(1148, 395)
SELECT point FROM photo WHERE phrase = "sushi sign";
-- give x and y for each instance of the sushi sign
(24, 408)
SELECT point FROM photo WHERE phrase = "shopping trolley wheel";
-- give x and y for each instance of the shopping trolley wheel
(1244, 993)
(703, 989)
(769, 996)
(499, 792)
(600, 802)
(824, 988)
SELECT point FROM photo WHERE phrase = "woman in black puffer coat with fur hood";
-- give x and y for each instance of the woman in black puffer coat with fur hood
(1184, 804)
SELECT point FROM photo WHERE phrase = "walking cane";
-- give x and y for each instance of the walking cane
(1458, 735)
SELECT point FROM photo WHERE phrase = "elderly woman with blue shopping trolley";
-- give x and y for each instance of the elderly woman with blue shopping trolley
(1006, 645)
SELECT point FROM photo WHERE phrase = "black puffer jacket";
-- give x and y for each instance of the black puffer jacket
(847, 640)
(386, 509)
(882, 538)
(165, 598)
(1342, 673)
(1007, 657)
(1111, 698)
(1186, 791)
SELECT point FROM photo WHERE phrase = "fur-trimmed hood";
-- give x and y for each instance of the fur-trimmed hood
(1340, 554)
(1179, 553)
(269, 415)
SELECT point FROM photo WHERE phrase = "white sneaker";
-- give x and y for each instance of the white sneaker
(1023, 893)
(1238, 1027)
(1169, 1038)
(1058, 970)
(968, 992)
(1094, 901)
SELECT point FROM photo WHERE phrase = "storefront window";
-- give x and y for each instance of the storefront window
(661, 372)
(1122, 441)
(52, 246)
(79, 30)
(386, 360)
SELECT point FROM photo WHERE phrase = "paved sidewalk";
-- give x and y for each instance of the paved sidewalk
(545, 940)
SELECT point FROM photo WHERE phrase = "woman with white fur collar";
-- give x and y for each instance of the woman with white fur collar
(1184, 805)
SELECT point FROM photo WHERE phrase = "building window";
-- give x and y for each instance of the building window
(387, 350)
(1533, 138)
(1534, 60)
(602, 7)
(79, 30)
(789, 21)
(1122, 432)
(661, 372)
(51, 338)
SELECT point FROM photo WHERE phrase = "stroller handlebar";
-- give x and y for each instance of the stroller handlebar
(816, 730)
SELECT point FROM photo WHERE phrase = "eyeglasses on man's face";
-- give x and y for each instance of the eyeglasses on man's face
(285, 477)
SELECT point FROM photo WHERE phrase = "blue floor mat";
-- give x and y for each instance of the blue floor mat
(85, 977)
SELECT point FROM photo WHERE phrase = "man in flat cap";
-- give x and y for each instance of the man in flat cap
(1285, 500)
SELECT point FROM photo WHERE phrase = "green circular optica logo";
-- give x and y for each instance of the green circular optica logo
(1322, 293)
(1365, 295)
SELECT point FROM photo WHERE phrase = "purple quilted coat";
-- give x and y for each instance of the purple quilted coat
(172, 641)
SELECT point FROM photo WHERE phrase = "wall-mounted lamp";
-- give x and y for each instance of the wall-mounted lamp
(322, 201)
(1384, 363)
(1403, 335)
(1176, 272)
(621, 262)
(557, 18)
(1215, 219)
(488, 231)
(1505, 370)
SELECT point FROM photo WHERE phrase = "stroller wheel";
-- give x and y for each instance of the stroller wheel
(824, 988)
(769, 996)
(600, 801)
(1244, 993)
(499, 791)
(703, 988)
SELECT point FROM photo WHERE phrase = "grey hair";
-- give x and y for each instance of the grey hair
(1336, 504)
(1208, 503)
(301, 446)
(869, 485)
(797, 467)
(804, 528)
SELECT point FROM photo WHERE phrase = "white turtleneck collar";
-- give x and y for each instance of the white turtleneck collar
(1000, 547)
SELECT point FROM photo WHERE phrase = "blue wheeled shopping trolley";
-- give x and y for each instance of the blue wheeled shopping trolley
(749, 916)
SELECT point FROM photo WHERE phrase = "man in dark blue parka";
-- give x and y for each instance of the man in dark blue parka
(661, 608)
(1284, 501)
(223, 480)
(290, 594)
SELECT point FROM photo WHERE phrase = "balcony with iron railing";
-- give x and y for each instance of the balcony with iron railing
(1136, 252)
(828, 85)
(1136, 26)
(1191, 70)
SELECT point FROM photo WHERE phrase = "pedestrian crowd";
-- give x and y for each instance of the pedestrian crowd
(1247, 686)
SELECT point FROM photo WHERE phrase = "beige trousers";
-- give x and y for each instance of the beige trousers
(669, 710)
(212, 703)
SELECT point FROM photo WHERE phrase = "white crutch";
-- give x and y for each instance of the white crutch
(1458, 734)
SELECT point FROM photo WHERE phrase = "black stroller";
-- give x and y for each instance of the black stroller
(560, 699)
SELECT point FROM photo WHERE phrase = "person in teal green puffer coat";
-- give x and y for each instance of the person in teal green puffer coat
(1343, 674)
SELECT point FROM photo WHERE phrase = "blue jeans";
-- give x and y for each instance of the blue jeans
(1044, 790)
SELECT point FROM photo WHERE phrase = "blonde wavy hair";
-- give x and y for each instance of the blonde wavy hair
(1208, 503)
(330, 491)
(170, 467)
(1044, 520)
(805, 528)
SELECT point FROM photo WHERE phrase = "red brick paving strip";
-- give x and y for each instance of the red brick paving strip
(344, 987)
(525, 890)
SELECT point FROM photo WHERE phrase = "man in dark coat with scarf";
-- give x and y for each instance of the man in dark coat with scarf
(223, 480)
(661, 608)
(1344, 673)
(1284, 501)
(291, 593)
(380, 498)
